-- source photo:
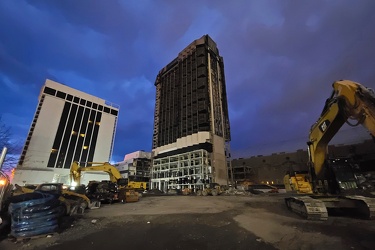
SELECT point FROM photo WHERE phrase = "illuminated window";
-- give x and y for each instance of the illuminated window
(90, 121)
(82, 135)
(97, 123)
(74, 132)
(54, 151)
(85, 147)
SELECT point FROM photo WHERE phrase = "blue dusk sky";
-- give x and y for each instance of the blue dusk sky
(280, 58)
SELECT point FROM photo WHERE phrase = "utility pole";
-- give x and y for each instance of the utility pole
(2, 157)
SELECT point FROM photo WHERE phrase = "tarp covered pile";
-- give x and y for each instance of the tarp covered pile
(35, 214)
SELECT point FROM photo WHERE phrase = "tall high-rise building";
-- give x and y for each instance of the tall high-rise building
(191, 123)
(68, 125)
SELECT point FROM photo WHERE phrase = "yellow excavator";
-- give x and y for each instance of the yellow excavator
(122, 191)
(298, 182)
(333, 181)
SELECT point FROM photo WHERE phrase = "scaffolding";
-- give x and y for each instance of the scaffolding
(187, 170)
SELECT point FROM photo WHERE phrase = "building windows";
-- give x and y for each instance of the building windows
(80, 101)
(49, 91)
(61, 95)
(83, 124)
(66, 126)
(78, 129)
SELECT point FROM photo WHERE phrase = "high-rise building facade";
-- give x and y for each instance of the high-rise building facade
(191, 123)
(68, 125)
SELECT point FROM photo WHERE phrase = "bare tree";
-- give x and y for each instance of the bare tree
(13, 148)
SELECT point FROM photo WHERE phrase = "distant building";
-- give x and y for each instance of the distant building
(68, 125)
(191, 125)
(272, 168)
(268, 169)
(135, 166)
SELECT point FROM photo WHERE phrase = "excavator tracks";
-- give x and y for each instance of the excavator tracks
(365, 206)
(307, 207)
(317, 208)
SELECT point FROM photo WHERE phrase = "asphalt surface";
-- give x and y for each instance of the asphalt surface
(190, 222)
(199, 231)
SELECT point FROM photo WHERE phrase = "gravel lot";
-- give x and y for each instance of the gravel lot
(197, 222)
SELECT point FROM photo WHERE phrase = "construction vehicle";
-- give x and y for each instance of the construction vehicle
(139, 186)
(105, 191)
(298, 182)
(120, 190)
(333, 181)
(75, 203)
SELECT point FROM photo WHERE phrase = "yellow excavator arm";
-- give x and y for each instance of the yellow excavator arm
(129, 195)
(349, 100)
(76, 171)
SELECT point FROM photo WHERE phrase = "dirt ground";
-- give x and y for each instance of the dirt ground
(198, 222)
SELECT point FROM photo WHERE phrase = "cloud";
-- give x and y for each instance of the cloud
(280, 59)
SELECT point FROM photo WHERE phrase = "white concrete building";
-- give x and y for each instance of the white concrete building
(135, 166)
(68, 125)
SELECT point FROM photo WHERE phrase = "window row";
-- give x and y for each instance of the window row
(75, 99)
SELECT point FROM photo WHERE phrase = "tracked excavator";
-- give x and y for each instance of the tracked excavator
(334, 184)
(118, 185)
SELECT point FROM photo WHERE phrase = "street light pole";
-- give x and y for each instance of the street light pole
(2, 157)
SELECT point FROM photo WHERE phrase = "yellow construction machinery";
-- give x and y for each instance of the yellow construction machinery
(74, 202)
(138, 185)
(333, 181)
(121, 190)
(298, 182)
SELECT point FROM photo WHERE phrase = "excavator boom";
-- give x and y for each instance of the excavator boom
(349, 100)
(124, 191)
(76, 171)
(333, 181)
